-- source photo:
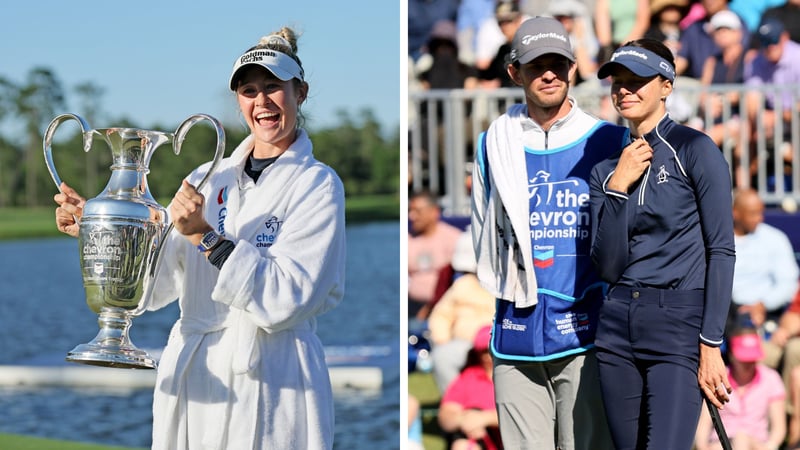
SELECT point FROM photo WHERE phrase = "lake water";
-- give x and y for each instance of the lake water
(43, 313)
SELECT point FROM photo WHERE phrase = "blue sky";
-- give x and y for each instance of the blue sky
(161, 61)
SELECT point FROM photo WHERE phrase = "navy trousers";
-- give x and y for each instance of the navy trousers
(648, 354)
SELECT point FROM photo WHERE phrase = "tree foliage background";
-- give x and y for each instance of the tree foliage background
(366, 157)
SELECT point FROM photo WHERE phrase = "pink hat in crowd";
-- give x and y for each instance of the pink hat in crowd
(747, 347)
(482, 337)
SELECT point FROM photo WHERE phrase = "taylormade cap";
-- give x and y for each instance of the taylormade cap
(539, 36)
(638, 60)
(747, 347)
(283, 66)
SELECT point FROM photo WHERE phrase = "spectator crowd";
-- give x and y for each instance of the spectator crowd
(464, 44)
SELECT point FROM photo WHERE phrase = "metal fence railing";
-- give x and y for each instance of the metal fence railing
(444, 126)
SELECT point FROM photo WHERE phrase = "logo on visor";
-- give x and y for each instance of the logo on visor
(619, 53)
(256, 55)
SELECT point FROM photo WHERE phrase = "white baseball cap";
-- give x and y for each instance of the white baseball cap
(725, 19)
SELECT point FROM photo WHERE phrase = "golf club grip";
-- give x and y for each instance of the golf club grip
(717, 420)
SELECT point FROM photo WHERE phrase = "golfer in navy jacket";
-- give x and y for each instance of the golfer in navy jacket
(663, 239)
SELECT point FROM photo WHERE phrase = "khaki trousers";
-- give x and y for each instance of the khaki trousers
(551, 405)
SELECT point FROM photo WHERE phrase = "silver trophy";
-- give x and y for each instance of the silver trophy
(121, 233)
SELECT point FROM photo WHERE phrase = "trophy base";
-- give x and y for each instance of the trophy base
(111, 347)
(109, 356)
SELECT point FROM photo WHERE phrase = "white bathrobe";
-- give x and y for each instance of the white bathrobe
(243, 368)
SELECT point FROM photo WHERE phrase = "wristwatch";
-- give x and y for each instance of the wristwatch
(209, 241)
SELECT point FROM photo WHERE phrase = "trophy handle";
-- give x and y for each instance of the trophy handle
(86, 132)
(180, 135)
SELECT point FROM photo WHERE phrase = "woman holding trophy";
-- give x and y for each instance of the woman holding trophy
(259, 252)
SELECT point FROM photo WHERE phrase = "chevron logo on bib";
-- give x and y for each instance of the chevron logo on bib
(543, 256)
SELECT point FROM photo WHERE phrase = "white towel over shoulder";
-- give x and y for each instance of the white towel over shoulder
(499, 221)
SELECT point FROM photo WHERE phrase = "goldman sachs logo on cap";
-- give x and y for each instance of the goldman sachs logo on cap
(528, 38)
(255, 56)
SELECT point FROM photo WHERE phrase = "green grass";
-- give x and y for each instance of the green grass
(372, 208)
(19, 223)
(17, 442)
(423, 387)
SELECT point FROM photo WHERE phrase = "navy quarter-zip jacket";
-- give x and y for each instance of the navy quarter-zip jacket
(674, 230)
